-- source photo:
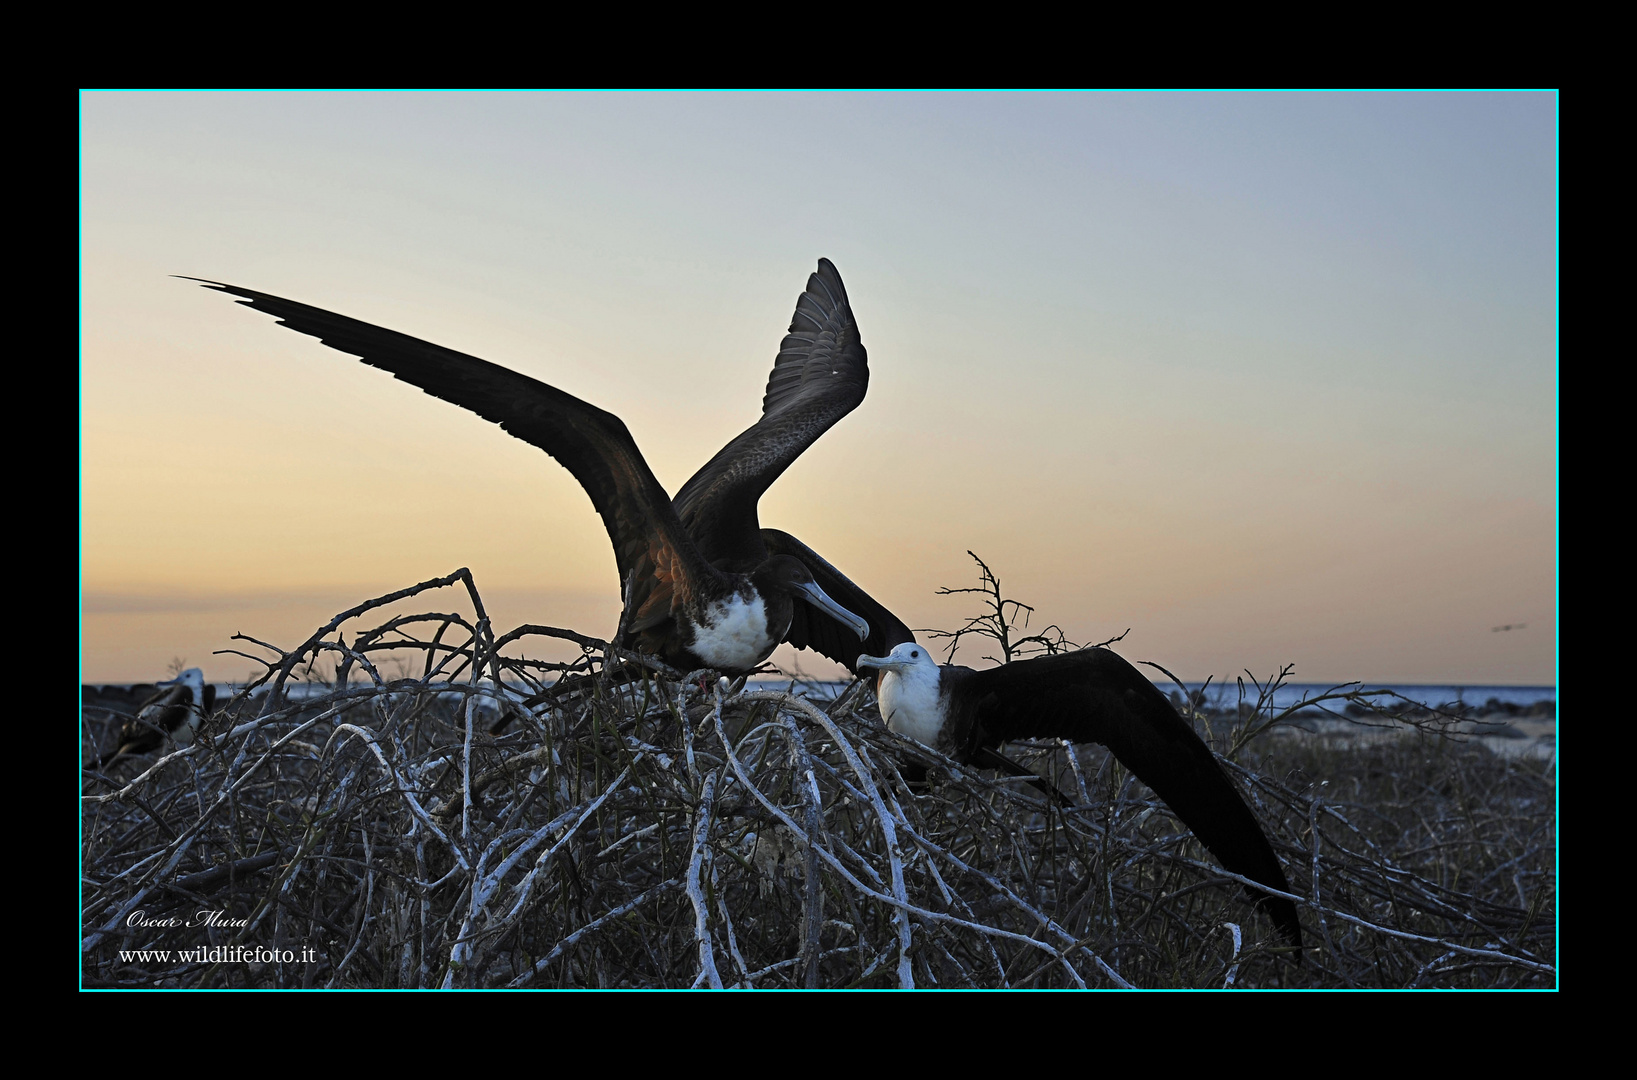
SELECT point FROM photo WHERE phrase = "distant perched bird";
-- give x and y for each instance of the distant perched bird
(708, 588)
(173, 714)
(1087, 696)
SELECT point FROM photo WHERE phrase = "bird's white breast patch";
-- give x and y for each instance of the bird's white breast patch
(734, 634)
(911, 704)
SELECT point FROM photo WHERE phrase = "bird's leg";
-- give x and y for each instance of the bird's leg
(700, 681)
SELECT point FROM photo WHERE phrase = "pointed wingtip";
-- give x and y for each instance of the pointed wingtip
(1283, 914)
(206, 282)
(827, 272)
(825, 291)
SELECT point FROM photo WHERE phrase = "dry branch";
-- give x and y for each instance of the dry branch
(642, 831)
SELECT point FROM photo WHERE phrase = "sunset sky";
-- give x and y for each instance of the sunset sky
(1265, 378)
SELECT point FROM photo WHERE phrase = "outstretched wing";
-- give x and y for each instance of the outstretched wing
(810, 628)
(819, 376)
(594, 445)
(1095, 696)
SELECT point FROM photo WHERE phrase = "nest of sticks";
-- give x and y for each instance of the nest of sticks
(644, 827)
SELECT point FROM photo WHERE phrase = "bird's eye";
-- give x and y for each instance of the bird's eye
(913, 655)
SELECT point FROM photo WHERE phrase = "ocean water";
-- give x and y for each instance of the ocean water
(1225, 695)
(1217, 694)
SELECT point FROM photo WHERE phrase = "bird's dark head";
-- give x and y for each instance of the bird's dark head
(789, 575)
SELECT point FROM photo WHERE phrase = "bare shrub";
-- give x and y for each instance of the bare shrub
(366, 830)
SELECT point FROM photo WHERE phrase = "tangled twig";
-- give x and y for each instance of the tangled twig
(369, 831)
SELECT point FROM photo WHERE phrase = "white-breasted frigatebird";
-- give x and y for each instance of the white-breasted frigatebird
(705, 588)
(174, 713)
(1092, 695)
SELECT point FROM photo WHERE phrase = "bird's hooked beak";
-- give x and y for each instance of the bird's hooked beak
(821, 600)
(901, 660)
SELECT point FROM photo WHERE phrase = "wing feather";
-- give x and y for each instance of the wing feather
(820, 375)
(592, 444)
(1096, 696)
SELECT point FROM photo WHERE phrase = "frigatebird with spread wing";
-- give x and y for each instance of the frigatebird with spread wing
(704, 588)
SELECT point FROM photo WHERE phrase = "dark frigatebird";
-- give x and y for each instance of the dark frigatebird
(173, 714)
(1092, 695)
(704, 587)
